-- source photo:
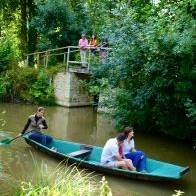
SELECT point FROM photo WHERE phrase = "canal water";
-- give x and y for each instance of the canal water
(84, 125)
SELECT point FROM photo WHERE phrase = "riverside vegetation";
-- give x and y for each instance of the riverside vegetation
(62, 181)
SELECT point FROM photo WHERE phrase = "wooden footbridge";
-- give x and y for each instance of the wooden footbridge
(67, 84)
(68, 56)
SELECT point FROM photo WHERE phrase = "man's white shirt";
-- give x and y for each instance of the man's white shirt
(110, 151)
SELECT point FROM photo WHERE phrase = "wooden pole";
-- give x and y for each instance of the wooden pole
(47, 56)
(64, 56)
(38, 59)
(68, 53)
(44, 60)
(27, 60)
(89, 61)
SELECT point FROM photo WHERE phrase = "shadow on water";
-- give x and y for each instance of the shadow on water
(86, 126)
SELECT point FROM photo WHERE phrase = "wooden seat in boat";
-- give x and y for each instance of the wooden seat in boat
(79, 153)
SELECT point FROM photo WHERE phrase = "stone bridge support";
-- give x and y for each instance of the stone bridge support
(69, 91)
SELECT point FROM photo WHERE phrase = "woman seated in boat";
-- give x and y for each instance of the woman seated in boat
(129, 152)
(110, 155)
(36, 123)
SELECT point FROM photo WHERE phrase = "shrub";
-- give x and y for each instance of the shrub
(6, 54)
(42, 91)
(152, 69)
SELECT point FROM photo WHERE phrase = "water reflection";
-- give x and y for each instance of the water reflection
(80, 125)
(73, 124)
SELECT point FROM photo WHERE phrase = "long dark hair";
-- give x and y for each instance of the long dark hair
(127, 130)
(91, 39)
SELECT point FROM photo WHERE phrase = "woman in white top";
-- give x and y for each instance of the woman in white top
(138, 157)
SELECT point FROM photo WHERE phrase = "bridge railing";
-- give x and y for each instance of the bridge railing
(70, 56)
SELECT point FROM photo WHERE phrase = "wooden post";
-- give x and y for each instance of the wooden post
(89, 59)
(38, 59)
(68, 53)
(47, 59)
(27, 60)
(64, 56)
(44, 60)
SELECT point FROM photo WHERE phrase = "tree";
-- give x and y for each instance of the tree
(9, 11)
(57, 24)
(151, 68)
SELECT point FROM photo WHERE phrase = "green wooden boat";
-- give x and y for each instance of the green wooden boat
(89, 157)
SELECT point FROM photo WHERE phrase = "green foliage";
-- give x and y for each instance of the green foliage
(191, 110)
(55, 69)
(21, 79)
(178, 193)
(95, 85)
(63, 181)
(57, 24)
(29, 85)
(151, 69)
(6, 54)
(5, 85)
(42, 91)
(105, 190)
(6, 8)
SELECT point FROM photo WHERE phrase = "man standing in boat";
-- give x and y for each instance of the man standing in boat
(111, 156)
(36, 123)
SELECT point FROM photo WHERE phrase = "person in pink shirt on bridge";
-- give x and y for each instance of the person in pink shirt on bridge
(83, 43)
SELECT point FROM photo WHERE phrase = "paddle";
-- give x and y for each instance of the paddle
(8, 141)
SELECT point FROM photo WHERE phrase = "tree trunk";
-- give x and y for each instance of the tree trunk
(32, 33)
(23, 29)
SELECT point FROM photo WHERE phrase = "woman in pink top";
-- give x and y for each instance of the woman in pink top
(83, 43)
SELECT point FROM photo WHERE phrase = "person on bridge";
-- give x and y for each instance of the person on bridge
(111, 154)
(83, 44)
(93, 44)
(35, 124)
(129, 152)
(103, 50)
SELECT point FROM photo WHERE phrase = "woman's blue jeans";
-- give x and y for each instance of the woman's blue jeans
(41, 138)
(138, 158)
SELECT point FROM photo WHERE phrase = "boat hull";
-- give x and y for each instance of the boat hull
(99, 168)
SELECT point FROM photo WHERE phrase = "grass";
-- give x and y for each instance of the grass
(64, 180)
